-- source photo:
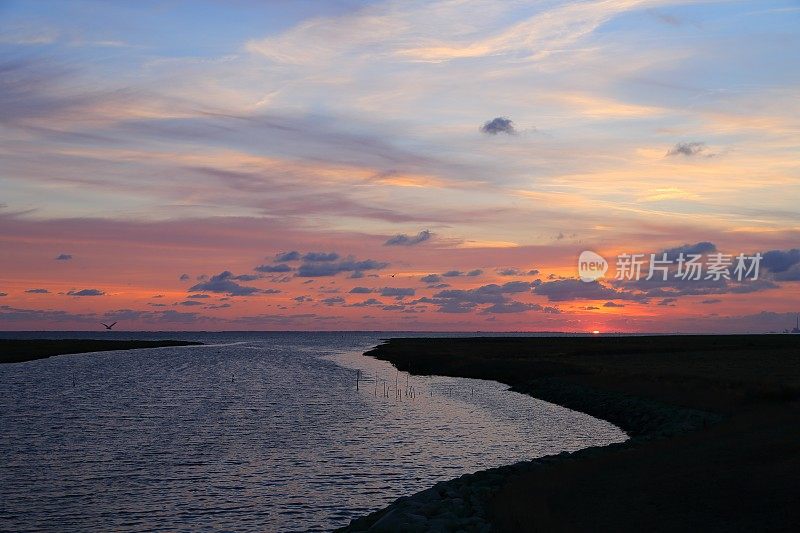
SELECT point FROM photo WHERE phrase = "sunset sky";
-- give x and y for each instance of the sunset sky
(438, 165)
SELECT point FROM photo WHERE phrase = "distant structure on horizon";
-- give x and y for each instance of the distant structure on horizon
(797, 326)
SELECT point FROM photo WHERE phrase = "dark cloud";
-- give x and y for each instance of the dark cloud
(189, 303)
(199, 296)
(406, 240)
(668, 302)
(184, 277)
(38, 291)
(320, 256)
(335, 300)
(313, 270)
(86, 292)
(367, 303)
(287, 256)
(518, 307)
(562, 290)
(464, 301)
(784, 265)
(511, 271)
(3, 294)
(223, 283)
(476, 272)
(63, 257)
(499, 125)
(270, 291)
(711, 301)
(431, 278)
(272, 269)
(302, 299)
(246, 277)
(533, 272)
(452, 273)
(644, 289)
(613, 304)
(398, 292)
(701, 248)
(360, 290)
(688, 149)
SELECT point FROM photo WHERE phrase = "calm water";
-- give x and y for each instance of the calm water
(257, 432)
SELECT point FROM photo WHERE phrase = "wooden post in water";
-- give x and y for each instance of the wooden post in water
(358, 376)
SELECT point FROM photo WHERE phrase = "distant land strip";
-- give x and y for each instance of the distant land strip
(20, 350)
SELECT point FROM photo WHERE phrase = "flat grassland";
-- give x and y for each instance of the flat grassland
(714, 424)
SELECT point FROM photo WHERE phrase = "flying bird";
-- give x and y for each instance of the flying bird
(109, 326)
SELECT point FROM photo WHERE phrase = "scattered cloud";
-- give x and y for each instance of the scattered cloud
(499, 125)
(367, 303)
(783, 265)
(467, 300)
(519, 307)
(562, 290)
(320, 256)
(397, 292)
(689, 149)
(431, 278)
(223, 283)
(511, 271)
(86, 292)
(37, 291)
(63, 257)
(287, 256)
(360, 290)
(406, 240)
(184, 277)
(701, 248)
(331, 268)
(272, 269)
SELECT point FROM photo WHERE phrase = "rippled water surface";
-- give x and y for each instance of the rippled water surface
(255, 431)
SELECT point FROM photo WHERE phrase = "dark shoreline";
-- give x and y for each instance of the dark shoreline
(21, 350)
(714, 424)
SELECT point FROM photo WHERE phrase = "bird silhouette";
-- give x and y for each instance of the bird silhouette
(109, 326)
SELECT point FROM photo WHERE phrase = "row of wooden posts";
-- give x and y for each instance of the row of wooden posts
(410, 390)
